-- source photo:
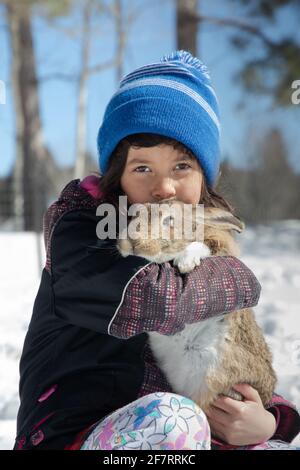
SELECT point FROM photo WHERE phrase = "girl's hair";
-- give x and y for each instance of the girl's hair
(110, 182)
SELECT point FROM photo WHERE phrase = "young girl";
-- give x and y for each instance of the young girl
(88, 379)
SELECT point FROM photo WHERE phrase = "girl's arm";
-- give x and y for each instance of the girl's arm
(159, 298)
(100, 290)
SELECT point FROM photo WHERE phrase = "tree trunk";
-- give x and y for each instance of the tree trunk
(187, 25)
(31, 192)
(17, 179)
(80, 160)
(121, 39)
(81, 151)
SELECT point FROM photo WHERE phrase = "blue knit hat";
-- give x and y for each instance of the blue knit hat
(174, 98)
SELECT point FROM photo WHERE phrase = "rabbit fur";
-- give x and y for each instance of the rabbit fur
(206, 359)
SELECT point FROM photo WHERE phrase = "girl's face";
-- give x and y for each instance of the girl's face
(161, 172)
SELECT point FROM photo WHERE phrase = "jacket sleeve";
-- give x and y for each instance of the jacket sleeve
(287, 418)
(159, 298)
(94, 287)
(88, 275)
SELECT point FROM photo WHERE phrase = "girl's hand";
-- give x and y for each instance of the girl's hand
(241, 422)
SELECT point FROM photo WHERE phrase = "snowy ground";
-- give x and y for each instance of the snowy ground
(271, 251)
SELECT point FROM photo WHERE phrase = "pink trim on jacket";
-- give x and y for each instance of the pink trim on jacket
(91, 184)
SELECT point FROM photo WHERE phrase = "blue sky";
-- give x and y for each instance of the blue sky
(152, 35)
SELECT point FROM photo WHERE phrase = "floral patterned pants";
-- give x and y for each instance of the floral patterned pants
(160, 421)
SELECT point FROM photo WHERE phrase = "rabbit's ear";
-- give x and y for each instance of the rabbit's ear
(222, 219)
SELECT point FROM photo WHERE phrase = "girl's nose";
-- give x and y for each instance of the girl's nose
(163, 189)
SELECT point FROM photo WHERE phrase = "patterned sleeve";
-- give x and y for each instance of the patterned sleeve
(287, 418)
(159, 298)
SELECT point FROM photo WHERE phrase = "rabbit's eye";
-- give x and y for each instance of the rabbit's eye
(169, 221)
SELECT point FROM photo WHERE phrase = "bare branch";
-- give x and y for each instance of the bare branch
(74, 77)
(58, 76)
(236, 23)
(100, 67)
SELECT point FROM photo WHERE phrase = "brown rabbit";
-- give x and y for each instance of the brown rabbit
(207, 358)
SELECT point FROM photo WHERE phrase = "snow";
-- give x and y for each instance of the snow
(272, 251)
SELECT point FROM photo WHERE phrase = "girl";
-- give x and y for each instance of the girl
(88, 379)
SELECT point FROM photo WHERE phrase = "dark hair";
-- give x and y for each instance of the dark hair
(110, 182)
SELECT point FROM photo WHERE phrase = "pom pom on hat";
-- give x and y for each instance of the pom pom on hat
(187, 58)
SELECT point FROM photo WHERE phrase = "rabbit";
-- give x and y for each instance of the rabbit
(206, 359)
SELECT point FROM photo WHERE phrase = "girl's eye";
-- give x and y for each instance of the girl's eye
(143, 166)
(186, 165)
(140, 167)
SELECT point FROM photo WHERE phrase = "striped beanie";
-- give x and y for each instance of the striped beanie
(174, 98)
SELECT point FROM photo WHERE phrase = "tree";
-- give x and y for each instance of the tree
(187, 25)
(30, 176)
(89, 9)
(270, 74)
(275, 178)
(268, 189)
(34, 170)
